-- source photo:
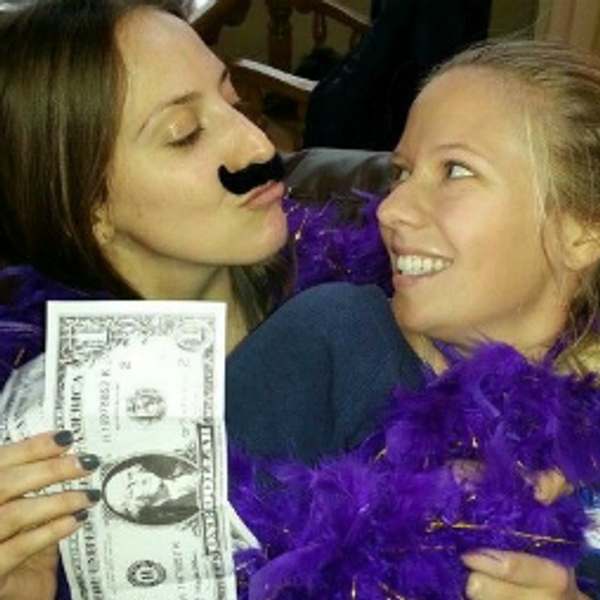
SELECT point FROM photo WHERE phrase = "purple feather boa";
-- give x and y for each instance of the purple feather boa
(392, 518)
(383, 524)
(24, 293)
(330, 248)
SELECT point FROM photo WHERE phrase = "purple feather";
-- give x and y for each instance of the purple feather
(24, 293)
(454, 475)
(330, 248)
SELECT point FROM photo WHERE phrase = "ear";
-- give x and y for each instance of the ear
(580, 243)
(102, 224)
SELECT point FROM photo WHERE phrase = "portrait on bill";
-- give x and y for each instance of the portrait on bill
(152, 489)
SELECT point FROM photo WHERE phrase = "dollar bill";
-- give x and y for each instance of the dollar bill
(22, 403)
(141, 385)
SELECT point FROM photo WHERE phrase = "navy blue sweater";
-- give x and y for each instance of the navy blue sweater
(308, 384)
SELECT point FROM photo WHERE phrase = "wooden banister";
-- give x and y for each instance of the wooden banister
(225, 12)
(336, 11)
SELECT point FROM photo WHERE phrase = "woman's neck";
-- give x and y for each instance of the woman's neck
(431, 351)
(427, 352)
(213, 284)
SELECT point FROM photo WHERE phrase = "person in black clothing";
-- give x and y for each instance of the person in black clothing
(364, 100)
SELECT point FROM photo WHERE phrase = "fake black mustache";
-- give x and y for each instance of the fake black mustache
(253, 176)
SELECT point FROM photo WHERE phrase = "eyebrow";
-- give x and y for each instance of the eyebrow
(181, 100)
(485, 159)
(463, 148)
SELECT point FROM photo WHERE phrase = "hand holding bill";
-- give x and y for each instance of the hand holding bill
(32, 526)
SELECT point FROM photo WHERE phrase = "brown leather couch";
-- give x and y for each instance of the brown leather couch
(318, 174)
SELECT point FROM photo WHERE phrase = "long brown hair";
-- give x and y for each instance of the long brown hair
(61, 99)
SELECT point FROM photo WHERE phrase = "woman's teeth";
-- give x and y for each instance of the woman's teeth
(420, 265)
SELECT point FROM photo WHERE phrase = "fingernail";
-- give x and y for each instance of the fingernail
(493, 554)
(93, 495)
(484, 553)
(63, 438)
(89, 462)
(81, 515)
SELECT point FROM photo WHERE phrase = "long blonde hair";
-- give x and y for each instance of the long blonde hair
(564, 90)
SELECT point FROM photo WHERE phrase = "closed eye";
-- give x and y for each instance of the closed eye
(187, 140)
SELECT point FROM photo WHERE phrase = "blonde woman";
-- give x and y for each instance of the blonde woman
(493, 233)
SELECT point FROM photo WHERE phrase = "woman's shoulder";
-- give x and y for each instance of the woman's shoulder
(313, 378)
(325, 316)
(328, 310)
(339, 296)
(24, 293)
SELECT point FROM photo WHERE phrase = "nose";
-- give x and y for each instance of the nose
(248, 143)
(406, 205)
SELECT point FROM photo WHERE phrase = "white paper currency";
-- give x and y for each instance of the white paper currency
(22, 403)
(141, 385)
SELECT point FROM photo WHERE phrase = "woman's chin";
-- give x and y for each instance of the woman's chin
(275, 233)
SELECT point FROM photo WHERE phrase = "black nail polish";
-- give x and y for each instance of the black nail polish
(89, 462)
(93, 495)
(81, 515)
(63, 438)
